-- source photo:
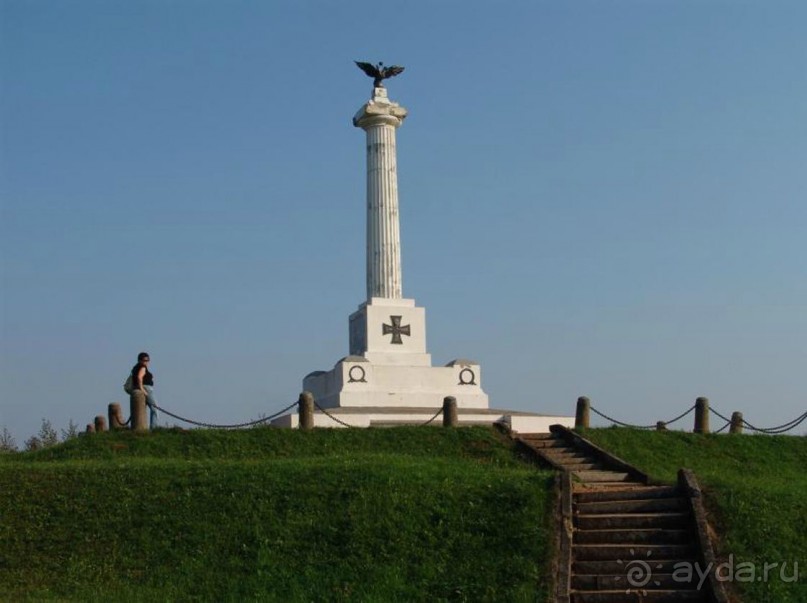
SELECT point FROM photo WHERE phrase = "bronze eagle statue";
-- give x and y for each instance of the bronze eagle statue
(379, 72)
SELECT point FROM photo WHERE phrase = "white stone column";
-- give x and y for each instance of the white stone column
(379, 118)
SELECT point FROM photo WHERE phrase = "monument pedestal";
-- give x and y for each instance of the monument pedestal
(388, 379)
(389, 365)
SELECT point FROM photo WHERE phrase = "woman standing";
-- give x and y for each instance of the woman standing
(143, 380)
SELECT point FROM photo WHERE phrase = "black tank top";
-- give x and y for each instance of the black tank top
(148, 378)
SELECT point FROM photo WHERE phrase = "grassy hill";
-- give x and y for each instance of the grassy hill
(394, 514)
(275, 515)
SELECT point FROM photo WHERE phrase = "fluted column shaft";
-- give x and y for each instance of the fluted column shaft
(379, 118)
(383, 229)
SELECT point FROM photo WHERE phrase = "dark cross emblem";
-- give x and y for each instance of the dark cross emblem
(396, 329)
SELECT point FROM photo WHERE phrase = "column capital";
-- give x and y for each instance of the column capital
(379, 110)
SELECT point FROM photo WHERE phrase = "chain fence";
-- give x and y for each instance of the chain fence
(262, 419)
(777, 430)
(121, 423)
(726, 426)
(437, 414)
(620, 423)
(681, 416)
(337, 419)
(623, 424)
(225, 426)
(719, 415)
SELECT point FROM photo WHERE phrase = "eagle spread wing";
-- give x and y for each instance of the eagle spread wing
(368, 68)
(392, 71)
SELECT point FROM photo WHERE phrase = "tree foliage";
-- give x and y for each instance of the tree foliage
(45, 438)
(7, 441)
(48, 434)
(71, 431)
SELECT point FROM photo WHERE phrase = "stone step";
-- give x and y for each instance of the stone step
(616, 521)
(614, 566)
(572, 464)
(636, 596)
(601, 476)
(642, 536)
(627, 552)
(563, 454)
(638, 492)
(646, 580)
(538, 436)
(581, 466)
(542, 444)
(632, 506)
(621, 485)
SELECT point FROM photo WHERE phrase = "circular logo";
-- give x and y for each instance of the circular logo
(356, 374)
(467, 377)
(638, 573)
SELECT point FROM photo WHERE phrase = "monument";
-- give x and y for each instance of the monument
(388, 377)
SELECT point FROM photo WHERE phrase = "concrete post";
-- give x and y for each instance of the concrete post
(115, 417)
(661, 426)
(90, 428)
(701, 415)
(305, 408)
(137, 411)
(100, 423)
(450, 416)
(583, 415)
(736, 422)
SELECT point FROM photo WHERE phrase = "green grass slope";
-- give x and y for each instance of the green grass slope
(275, 515)
(756, 492)
(362, 515)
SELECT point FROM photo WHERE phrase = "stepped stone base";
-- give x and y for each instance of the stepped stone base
(356, 381)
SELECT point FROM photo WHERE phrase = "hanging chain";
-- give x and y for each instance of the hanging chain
(681, 416)
(779, 429)
(607, 418)
(437, 414)
(723, 428)
(331, 416)
(229, 426)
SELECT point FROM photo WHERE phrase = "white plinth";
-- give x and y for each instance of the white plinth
(357, 382)
(389, 366)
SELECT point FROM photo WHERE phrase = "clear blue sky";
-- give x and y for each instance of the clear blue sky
(597, 198)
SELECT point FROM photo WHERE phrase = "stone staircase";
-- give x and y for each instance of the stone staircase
(622, 536)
